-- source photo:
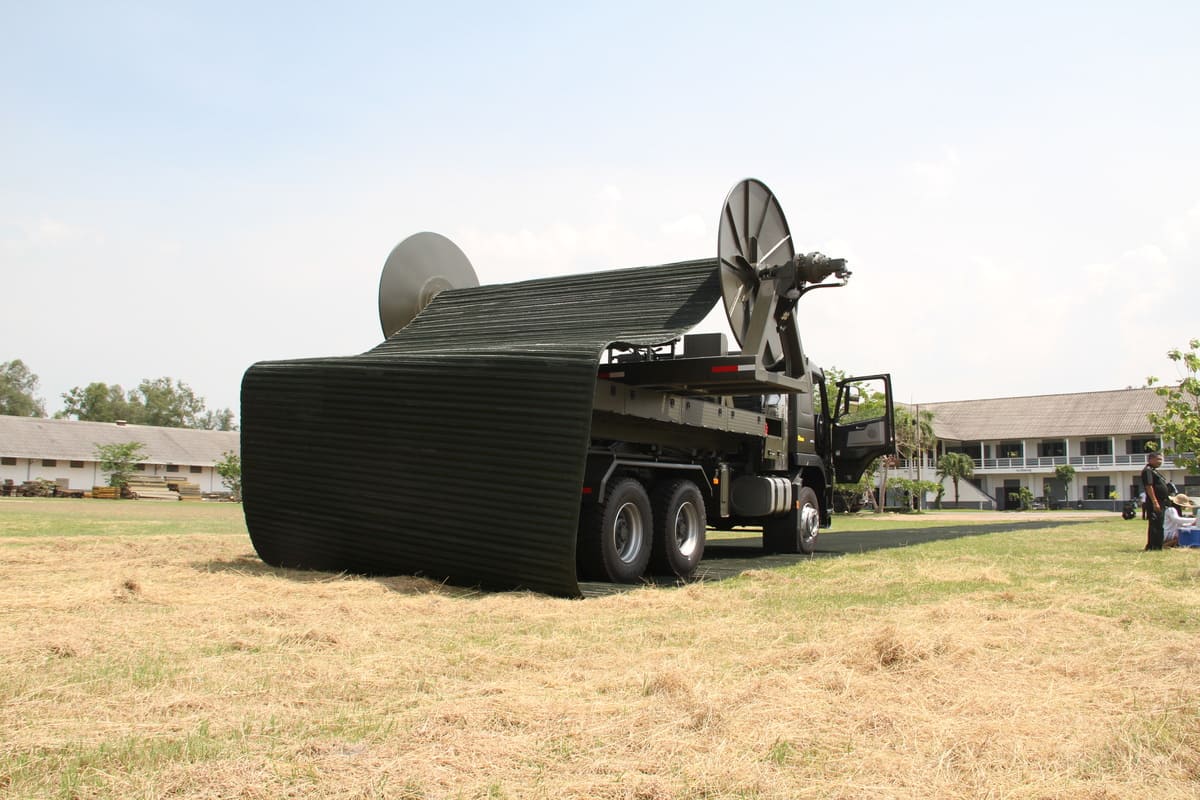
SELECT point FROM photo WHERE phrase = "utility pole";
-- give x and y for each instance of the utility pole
(920, 457)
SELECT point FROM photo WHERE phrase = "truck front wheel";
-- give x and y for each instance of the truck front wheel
(614, 537)
(679, 528)
(796, 531)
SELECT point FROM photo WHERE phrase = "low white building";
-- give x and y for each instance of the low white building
(1017, 442)
(55, 449)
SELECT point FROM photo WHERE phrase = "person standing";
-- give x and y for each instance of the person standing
(1156, 498)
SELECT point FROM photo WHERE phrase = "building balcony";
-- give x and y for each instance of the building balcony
(1046, 464)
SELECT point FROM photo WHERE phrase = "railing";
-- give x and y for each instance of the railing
(1042, 462)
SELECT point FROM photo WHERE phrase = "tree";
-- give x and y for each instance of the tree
(913, 489)
(851, 497)
(914, 435)
(914, 432)
(163, 402)
(118, 460)
(217, 420)
(98, 402)
(168, 404)
(230, 470)
(1179, 422)
(17, 388)
(871, 405)
(955, 466)
(1066, 474)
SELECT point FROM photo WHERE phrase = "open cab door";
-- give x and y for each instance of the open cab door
(864, 425)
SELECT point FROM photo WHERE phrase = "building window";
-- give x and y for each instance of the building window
(76, 465)
(1140, 445)
(1097, 447)
(139, 467)
(1053, 448)
(172, 468)
(195, 470)
(1011, 450)
(49, 462)
(8, 461)
(1098, 488)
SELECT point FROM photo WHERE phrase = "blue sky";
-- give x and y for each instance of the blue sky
(188, 188)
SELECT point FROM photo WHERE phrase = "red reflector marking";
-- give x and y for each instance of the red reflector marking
(726, 368)
(587, 490)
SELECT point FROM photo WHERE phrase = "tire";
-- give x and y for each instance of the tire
(679, 528)
(796, 531)
(614, 537)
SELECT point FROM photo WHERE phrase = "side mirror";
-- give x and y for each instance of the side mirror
(851, 397)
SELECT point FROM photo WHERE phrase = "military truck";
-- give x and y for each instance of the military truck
(542, 433)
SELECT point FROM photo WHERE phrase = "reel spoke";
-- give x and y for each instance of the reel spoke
(752, 223)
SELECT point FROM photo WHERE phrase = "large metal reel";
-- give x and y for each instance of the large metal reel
(416, 270)
(753, 237)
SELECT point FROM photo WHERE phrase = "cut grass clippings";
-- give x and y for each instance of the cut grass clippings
(146, 652)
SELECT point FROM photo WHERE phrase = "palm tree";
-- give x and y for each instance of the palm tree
(1065, 473)
(955, 466)
(914, 432)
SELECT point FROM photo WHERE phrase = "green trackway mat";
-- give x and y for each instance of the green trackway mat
(473, 420)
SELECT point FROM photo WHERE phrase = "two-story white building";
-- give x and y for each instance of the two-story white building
(58, 449)
(1017, 442)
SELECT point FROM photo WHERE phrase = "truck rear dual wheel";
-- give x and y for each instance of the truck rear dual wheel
(679, 528)
(614, 537)
(796, 531)
(629, 531)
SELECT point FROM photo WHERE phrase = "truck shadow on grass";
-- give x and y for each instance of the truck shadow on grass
(727, 555)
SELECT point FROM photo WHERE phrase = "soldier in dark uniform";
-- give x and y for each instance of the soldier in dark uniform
(1156, 500)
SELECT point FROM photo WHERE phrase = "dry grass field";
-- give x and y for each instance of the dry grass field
(146, 652)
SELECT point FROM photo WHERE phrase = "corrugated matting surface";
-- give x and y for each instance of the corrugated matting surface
(456, 448)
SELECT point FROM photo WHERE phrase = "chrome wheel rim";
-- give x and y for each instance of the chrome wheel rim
(628, 532)
(687, 529)
(810, 523)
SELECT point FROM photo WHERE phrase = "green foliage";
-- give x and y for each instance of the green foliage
(913, 488)
(230, 470)
(168, 404)
(914, 431)
(216, 420)
(17, 391)
(1179, 422)
(850, 495)
(955, 466)
(1026, 497)
(118, 460)
(1066, 474)
(160, 401)
(98, 402)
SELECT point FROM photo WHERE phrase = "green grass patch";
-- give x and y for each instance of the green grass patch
(63, 517)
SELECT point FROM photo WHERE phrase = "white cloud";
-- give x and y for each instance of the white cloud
(934, 180)
(23, 233)
(692, 227)
(610, 194)
(1182, 230)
